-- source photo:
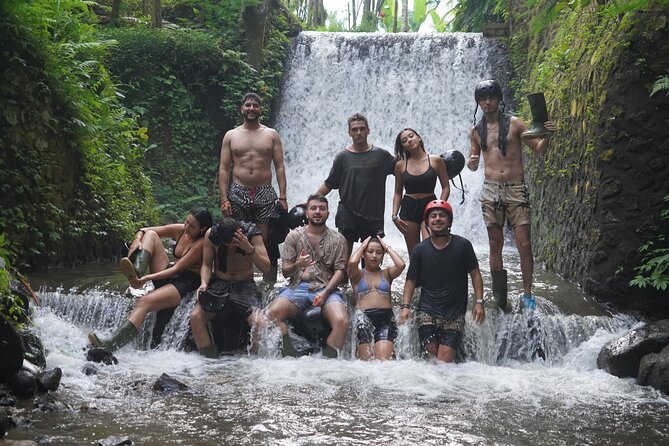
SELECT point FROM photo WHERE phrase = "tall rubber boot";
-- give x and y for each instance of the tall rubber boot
(287, 347)
(142, 262)
(124, 334)
(210, 351)
(330, 352)
(499, 288)
(539, 116)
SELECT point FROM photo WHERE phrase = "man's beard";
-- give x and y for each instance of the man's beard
(442, 233)
(316, 223)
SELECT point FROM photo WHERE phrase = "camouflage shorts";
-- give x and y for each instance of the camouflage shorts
(508, 202)
(441, 324)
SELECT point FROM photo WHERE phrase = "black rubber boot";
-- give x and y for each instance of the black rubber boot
(210, 351)
(330, 352)
(122, 336)
(287, 347)
(499, 288)
(539, 116)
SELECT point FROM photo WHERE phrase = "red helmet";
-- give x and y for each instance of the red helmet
(438, 204)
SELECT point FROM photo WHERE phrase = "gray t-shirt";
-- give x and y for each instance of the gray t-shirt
(361, 180)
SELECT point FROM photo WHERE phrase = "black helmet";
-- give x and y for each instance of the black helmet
(296, 217)
(487, 88)
(455, 161)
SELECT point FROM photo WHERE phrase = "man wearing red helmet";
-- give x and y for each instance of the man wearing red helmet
(439, 265)
(504, 196)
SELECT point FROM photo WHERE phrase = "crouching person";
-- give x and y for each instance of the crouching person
(314, 259)
(233, 248)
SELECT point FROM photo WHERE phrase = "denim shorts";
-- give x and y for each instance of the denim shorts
(303, 298)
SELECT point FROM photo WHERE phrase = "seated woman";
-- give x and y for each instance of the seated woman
(376, 328)
(172, 283)
(417, 177)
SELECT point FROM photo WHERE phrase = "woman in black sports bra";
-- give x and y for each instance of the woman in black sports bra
(416, 177)
(171, 283)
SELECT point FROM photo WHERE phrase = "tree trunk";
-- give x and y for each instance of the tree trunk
(156, 15)
(255, 21)
(145, 7)
(405, 16)
(116, 7)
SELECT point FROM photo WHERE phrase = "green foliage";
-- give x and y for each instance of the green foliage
(184, 86)
(470, 15)
(654, 271)
(71, 159)
(10, 305)
(661, 84)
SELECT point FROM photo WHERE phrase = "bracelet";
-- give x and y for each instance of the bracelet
(405, 306)
(394, 217)
(282, 199)
(480, 301)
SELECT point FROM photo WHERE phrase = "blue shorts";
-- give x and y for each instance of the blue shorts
(303, 298)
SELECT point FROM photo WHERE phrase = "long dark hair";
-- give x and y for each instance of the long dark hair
(203, 217)
(400, 153)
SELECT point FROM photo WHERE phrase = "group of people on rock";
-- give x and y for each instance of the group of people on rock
(218, 260)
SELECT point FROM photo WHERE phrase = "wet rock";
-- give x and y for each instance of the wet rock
(7, 399)
(654, 370)
(20, 443)
(168, 384)
(34, 348)
(621, 357)
(6, 421)
(89, 369)
(49, 380)
(23, 384)
(101, 355)
(12, 351)
(47, 403)
(115, 440)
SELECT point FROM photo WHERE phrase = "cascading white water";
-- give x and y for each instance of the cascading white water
(422, 81)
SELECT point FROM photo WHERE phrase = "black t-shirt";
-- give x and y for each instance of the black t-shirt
(442, 274)
(361, 180)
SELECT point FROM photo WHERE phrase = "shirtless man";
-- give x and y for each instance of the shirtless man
(232, 247)
(252, 148)
(504, 196)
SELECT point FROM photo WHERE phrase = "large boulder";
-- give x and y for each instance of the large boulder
(654, 370)
(11, 349)
(621, 357)
(35, 352)
(23, 384)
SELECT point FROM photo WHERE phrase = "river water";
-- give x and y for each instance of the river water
(503, 393)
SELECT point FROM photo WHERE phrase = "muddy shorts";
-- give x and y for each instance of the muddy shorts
(508, 202)
(254, 204)
(414, 209)
(376, 325)
(185, 282)
(432, 330)
(244, 296)
(303, 298)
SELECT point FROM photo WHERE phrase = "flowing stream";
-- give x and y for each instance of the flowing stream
(503, 393)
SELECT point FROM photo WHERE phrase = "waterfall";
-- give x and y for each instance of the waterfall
(422, 81)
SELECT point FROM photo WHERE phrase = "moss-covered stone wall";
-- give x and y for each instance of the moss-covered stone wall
(598, 192)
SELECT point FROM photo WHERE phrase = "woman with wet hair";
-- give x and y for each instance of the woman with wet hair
(172, 282)
(376, 328)
(416, 177)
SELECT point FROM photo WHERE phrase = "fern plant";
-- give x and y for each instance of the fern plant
(654, 271)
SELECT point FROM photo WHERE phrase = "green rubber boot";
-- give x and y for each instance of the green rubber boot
(539, 116)
(124, 334)
(142, 262)
(330, 352)
(287, 347)
(209, 351)
(499, 288)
